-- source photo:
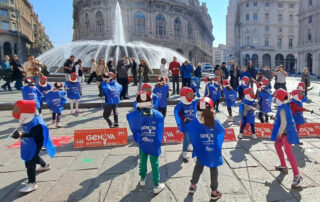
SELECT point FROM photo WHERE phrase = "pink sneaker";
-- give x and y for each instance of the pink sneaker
(72, 112)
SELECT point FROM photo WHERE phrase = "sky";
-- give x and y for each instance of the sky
(56, 16)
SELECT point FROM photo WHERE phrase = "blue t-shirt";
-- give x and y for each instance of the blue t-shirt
(162, 93)
(32, 93)
(182, 111)
(56, 100)
(111, 91)
(73, 90)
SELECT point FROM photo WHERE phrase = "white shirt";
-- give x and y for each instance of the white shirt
(93, 67)
(164, 70)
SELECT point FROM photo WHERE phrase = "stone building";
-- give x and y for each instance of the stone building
(182, 25)
(264, 31)
(21, 32)
(309, 36)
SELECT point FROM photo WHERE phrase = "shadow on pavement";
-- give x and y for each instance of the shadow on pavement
(5, 193)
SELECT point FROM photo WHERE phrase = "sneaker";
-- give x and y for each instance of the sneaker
(254, 136)
(296, 181)
(42, 169)
(59, 125)
(53, 121)
(230, 119)
(29, 187)
(240, 136)
(192, 189)
(115, 125)
(158, 188)
(77, 112)
(72, 112)
(185, 155)
(282, 169)
(215, 195)
(4, 88)
(190, 148)
(142, 182)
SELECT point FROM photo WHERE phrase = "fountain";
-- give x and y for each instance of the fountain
(109, 49)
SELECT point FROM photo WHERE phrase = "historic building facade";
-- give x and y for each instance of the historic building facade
(21, 32)
(264, 31)
(309, 36)
(182, 25)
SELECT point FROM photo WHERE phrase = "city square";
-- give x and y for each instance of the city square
(222, 97)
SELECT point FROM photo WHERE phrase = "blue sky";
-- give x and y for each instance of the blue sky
(56, 16)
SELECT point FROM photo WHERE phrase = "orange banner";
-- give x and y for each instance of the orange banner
(56, 140)
(100, 137)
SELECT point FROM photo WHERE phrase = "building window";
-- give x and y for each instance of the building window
(99, 22)
(247, 17)
(177, 28)
(267, 4)
(266, 16)
(310, 19)
(291, 5)
(255, 16)
(266, 42)
(139, 23)
(255, 3)
(290, 43)
(267, 28)
(14, 26)
(291, 17)
(190, 30)
(5, 25)
(248, 41)
(247, 5)
(309, 35)
(280, 5)
(280, 30)
(160, 25)
(4, 13)
(310, 2)
(87, 23)
(280, 17)
(280, 43)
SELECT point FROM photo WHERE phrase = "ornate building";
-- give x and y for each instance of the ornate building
(264, 31)
(21, 32)
(182, 25)
(309, 35)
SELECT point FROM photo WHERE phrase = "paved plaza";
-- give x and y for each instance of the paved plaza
(111, 174)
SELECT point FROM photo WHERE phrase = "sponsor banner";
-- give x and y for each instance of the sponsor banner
(100, 137)
(309, 130)
(229, 135)
(57, 141)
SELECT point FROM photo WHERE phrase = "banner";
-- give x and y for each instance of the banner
(57, 141)
(229, 135)
(100, 137)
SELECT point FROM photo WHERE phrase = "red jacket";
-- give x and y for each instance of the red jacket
(174, 67)
(295, 108)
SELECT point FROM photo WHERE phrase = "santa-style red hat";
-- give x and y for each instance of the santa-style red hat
(112, 75)
(217, 79)
(58, 85)
(265, 81)
(225, 82)
(248, 92)
(24, 110)
(246, 80)
(160, 79)
(297, 94)
(73, 77)
(281, 94)
(187, 95)
(43, 81)
(143, 100)
(29, 82)
(302, 86)
(205, 103)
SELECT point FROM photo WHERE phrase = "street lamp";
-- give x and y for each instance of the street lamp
(18, 15)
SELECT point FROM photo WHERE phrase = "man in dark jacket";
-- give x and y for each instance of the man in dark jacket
(253, 73)
(67, 66)
(225, 70)
(122, 75)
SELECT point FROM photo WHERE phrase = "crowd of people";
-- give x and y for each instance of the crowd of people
(195, 118)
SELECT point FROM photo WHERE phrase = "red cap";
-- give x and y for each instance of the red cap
(297, 92)
(225, 82)
(43, 81)
(302, 85)
(245, 79)
(249, 91)
(204, 103)
(265, 81)
(281, 94)
(23, 107)
(147, 88)
(73, 77)
(112, 75)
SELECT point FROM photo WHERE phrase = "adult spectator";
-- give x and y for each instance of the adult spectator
(235, 75)
(17, 71)
(305, 77)
(122, 69)
(67, 66)
(197, 72)
(267, 73)
(244, 72)
(186, 71)
(253, 73)
(6, 73)
(174, 67)
(77, 68)
(281, 76)
(143, 74)
(32, 69)
(224, 70)
(101, 70)
(164, 70)
(93, 71)
(134, 71)
(111, 67)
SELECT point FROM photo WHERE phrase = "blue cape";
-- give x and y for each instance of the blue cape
(213, 92)
(111, 91)
(207, 142)
(292, 133)
(266, 100)
(251, 115)
(73, 91)
(56, 100)
(197, 81)
(195, 87)
(28, 145)
(42, 89)
(162, 93)
(298, 117)
(230, 96)
(182, 111)
(32, 93)
(147, 131)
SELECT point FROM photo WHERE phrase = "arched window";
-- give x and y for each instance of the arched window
(139, 23)
(160, 25)
(7, 49)
(177, 28)
(190, 31)
(99, 22)
(87, 23)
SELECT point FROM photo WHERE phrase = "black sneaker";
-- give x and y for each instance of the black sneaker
(296, 181)
(282, 169)
(215, 195)
(115, 125)
(192, 189)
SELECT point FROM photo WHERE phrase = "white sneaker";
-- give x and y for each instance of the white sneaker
(254, 136)
(185, 155)
(142, 182)
(190, 148)
(29, 187)
(72, 112)
(42, 169)
(59, 125)
(230, 119)
(158, 188)
(240, 136)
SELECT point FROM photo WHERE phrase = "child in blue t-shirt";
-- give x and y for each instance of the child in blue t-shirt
(44, 87)
(73, 88)
(161, 90)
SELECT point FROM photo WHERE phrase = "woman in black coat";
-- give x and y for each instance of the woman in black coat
(17, 71)
(235, 75)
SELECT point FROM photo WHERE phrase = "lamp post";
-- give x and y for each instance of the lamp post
(18, 15)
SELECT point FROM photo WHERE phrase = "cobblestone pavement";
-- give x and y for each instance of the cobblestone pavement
(111, 174)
